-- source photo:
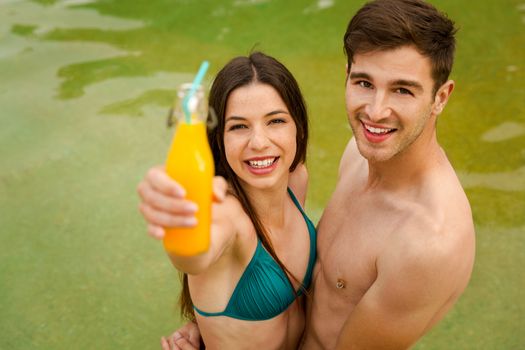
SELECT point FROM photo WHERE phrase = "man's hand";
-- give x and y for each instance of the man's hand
(163, 201)
(185, 338)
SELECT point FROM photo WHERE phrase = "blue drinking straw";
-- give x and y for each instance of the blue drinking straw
(196, 82)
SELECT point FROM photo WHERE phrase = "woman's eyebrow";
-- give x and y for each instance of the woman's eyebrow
(278, 111)
(234, 117)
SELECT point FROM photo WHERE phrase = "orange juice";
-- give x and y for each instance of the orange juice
(190, 163)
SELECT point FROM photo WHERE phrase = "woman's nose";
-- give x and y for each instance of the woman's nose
(258, 139)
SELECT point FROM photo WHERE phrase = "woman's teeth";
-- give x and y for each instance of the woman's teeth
(261, 163)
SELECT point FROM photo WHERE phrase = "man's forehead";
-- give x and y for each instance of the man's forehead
(404, 63)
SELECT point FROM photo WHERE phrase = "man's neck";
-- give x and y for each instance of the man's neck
(408, 167)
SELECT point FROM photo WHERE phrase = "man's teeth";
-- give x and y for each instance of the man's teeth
(261, 163)
(377, 130)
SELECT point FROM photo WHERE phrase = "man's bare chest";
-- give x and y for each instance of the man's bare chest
(352, 233)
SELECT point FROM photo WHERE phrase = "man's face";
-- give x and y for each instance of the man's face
(389, 101)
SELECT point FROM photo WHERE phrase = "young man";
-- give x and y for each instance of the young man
(396, 241)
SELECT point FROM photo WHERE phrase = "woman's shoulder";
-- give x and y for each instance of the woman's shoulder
(298, 182)
(229, 209)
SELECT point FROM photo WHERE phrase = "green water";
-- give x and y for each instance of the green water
(84, 91)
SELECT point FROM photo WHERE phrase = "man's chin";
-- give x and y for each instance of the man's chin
(370, 152)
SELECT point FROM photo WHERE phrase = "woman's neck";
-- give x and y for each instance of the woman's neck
(269, 203)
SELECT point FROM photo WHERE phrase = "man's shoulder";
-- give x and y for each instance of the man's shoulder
(441, 217)
(439, 209)
(351, 158)
(428, 260)
(438, 240)
(352, 151)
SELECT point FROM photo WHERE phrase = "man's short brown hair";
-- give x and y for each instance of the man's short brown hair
(389, 24)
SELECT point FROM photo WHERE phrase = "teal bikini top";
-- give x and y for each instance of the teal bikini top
(263, 291)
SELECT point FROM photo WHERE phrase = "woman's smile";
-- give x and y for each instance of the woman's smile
(262, 165)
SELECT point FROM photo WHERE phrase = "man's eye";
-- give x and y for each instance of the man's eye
(403, 91)
(365, 84)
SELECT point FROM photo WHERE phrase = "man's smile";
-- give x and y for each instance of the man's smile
(378, 131)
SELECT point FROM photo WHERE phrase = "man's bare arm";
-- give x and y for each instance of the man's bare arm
(416, 280)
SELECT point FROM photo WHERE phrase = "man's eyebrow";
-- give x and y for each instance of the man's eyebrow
(408, 83)
(399, 82)
(360, 75)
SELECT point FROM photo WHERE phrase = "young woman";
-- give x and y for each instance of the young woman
(246, 291)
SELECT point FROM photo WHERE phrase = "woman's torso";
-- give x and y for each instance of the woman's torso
(245, 297)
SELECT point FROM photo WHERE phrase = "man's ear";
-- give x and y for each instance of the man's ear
(442, 96)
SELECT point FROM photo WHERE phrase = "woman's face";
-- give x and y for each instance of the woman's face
(259, 136)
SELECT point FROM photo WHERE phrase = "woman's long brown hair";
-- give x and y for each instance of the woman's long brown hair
(242, 71)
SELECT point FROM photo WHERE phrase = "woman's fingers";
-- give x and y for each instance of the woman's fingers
(183, 344)
(167, 203)
(160, 218)
(161, 181)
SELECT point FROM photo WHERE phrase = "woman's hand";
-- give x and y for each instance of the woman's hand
(185, 338)
(163, 202)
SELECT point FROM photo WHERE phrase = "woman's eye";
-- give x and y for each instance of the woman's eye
(277, 121)
(236, 127)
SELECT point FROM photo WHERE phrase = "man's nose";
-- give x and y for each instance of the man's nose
(378, 107)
